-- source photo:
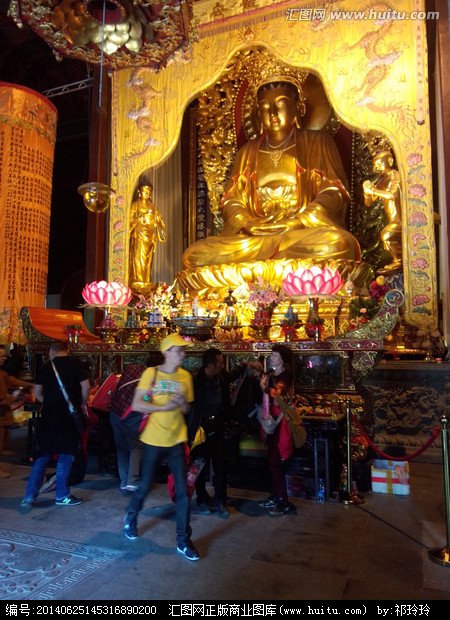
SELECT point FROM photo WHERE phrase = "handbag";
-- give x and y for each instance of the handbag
(285, 441)
(78, 416)
(193, 470)
(133, 422)
(294, 420)
(268, 423)
(102, 398)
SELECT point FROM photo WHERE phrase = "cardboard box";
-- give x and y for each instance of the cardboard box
(300, 478)
(390, 477)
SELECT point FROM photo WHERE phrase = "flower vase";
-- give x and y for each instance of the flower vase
(261, 322)
(313, 324)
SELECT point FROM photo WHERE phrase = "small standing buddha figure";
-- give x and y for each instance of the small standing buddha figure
(146, 229)
(386, 187)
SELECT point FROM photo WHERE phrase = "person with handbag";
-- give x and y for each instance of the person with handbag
(164, 393)
(128, 449)
(210, 410)
(62, 386)
(278, 382)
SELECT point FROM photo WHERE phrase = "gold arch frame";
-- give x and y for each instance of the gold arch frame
(387, 63)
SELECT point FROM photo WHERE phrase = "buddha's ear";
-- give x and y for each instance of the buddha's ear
(256, 120)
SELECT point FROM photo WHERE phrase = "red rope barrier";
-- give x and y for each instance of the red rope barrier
(389, 457)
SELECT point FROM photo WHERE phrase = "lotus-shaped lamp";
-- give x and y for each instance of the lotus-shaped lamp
(107, 294)
(312, 281)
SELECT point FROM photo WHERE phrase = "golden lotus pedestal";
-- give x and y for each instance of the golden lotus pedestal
(229, 333)
(202, 281)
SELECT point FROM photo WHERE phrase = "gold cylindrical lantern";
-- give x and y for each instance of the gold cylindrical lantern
(27, 143)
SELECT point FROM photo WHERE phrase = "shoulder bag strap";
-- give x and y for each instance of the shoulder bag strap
(63, 389)
(154, 376)
(138, 379)
(127, 383)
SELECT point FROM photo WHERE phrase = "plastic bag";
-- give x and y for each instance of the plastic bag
(193, 470)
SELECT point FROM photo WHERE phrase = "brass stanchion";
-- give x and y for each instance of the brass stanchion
(442, 556)
(349, 497)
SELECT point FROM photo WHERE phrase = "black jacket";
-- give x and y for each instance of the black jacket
(203, 413)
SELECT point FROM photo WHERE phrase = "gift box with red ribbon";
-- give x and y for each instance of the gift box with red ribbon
(390, 477)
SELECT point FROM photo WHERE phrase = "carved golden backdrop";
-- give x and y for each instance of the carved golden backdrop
(374, 75)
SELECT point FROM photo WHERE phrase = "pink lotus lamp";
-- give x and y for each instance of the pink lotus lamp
(107, 294)
(312, 281)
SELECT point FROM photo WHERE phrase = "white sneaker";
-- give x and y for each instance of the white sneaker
(131, 487)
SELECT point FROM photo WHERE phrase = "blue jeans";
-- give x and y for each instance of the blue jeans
(36, 478)
(128, 453)
(151, 458)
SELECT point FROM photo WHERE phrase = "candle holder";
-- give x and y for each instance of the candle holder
(130, 335)
(313, 323)
(107, 334)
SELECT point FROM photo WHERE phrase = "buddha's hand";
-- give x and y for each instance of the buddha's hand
(265, 226)
(280, 209)
(369, 192)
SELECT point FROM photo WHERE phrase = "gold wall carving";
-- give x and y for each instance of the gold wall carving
(375, 78)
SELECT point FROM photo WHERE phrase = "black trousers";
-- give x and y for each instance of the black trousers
(213, 451)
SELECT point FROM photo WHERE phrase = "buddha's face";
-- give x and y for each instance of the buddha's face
(277, 110)
(146, 191)
(382, 161)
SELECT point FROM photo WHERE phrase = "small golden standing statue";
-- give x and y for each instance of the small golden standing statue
(146, 229)
(386, 186)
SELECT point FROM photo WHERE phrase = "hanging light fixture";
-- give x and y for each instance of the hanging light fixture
(138, 33)
(96, 195)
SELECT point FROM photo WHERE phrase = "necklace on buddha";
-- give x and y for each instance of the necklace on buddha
(276, 152)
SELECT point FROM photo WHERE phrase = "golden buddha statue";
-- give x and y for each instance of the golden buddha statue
(386, 186)
(146, 229)
(286, 197)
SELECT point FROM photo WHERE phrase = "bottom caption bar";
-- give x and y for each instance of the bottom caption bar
(242, 609)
